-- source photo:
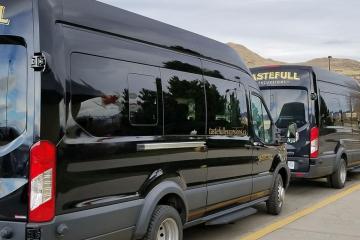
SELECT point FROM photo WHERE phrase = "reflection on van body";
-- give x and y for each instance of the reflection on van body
(12, 90)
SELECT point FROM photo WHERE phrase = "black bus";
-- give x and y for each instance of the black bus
(326, 109)
(116, 126)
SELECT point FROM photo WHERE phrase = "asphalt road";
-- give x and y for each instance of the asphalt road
(300, 195)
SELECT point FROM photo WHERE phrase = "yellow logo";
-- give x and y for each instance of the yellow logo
(3, 20)
(276, 76)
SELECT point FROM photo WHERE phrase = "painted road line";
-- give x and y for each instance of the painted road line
(283, 222)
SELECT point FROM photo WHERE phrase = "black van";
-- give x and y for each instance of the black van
(116, 126)
(326, 109)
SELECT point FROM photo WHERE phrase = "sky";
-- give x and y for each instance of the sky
(286, 30)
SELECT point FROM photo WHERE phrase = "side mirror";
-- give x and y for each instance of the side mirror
(292, 134)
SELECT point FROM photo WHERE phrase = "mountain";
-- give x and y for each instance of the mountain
(251, 58)
(347, 67)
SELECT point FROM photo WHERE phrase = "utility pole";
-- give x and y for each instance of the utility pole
(330, 57)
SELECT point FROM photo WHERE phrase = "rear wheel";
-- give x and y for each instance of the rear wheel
(338, 178)
(165, 224)
(277, 198)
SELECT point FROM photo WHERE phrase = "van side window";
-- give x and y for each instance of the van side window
(261, 120)
(107, 99)
(356, 113)
(346, 110)
(227, 109)
(13, 87)
(143, 98)
(184, 103)
(330, 110)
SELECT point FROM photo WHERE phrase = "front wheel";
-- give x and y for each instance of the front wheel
(338, 178)
(165, 224)
(277, 197)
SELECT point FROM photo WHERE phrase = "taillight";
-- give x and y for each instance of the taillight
(42, 182)
(314, 142)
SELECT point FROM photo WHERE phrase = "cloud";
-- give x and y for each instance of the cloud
(288, 30)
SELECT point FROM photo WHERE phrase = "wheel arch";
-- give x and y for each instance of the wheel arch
(341, 153)
(279, 167)
(167, 193)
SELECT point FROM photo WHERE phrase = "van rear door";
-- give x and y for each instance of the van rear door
(16, 131)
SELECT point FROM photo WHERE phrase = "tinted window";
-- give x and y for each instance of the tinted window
(331, 111)
(184, 103)
(261, 120)
(287, 106)
(356, 112)
(13, 87)
(102, 103)
(143, 99)
(227, 110)
(346, 110)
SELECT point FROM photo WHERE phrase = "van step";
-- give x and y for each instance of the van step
(232, 217)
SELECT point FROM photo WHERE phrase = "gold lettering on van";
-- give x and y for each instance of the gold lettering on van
(3, 20)
(227, 132)
(276, 76)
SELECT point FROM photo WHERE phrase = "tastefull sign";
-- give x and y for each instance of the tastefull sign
(265, 76)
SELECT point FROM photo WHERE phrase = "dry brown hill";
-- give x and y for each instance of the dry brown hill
(344, 66)
(251, 58)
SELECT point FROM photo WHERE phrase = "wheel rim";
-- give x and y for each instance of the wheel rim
(168, 230)
(343, 173)
(281, 195)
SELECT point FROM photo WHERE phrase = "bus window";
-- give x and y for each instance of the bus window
(226, 107)
(287, 106)
(13, 87)
(330, 110)
(261, 120)
(356, 113)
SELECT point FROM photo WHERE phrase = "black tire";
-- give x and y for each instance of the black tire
(338, 178)
(276, 201)
(163, 213)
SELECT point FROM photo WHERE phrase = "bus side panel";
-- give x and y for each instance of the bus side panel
(103, 164)
(336, 127)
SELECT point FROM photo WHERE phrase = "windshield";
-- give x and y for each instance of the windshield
(287, 106)
(12, 91)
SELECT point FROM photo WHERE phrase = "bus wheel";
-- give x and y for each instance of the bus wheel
(338, 178)
(165, 224)
(277, 197)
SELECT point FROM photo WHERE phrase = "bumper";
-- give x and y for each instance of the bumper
(115, 221)
(13, 230)
(318, 168)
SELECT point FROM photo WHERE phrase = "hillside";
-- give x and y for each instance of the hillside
(251, 58)
(344, 66)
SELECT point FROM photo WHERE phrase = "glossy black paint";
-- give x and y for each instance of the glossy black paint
(118, 93)
(335, 111)
(14, 155)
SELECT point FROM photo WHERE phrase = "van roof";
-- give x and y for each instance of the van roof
(112, 20)
(321, 74)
